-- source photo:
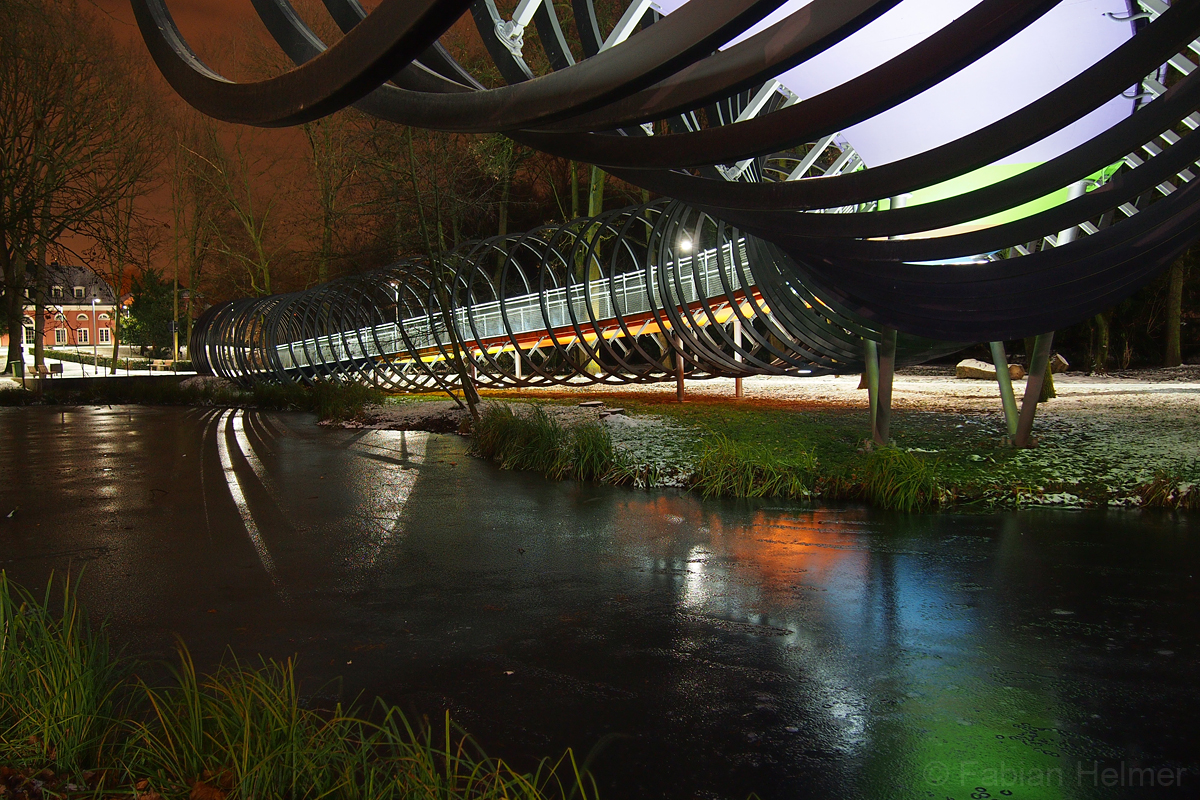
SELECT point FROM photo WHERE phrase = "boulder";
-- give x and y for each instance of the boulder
(1058, 364)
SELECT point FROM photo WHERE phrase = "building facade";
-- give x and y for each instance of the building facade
(80, 310)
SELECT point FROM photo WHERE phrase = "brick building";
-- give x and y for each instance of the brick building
(72, 318)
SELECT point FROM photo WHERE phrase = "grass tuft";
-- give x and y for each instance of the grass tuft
(537, 442)
(73, 713)
(740, 469)
(897, 480)
(59, 685)
(1168, 490)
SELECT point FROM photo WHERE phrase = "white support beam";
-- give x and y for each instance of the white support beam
(810, 158)
(629, 20)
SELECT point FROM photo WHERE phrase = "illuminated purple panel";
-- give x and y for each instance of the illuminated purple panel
(1067, 40)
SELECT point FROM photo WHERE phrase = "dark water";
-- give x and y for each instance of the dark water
(714, 648)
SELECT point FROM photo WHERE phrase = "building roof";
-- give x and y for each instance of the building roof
(68, 277)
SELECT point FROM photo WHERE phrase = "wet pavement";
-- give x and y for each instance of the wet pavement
(712, 649)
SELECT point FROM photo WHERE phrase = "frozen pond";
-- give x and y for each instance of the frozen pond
(714, 648)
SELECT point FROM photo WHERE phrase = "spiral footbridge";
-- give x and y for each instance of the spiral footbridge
(963, 171)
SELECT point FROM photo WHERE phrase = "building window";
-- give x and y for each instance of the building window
(30, 333)
(78, 292)
(60, 317)
(103, 316)
(105, 335)
(81, 317)
(81, 336)
(56, 291)
(60, 335)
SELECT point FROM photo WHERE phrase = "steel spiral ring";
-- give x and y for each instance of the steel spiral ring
(585, 301)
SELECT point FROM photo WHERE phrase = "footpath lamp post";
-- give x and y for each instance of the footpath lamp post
(95, 331)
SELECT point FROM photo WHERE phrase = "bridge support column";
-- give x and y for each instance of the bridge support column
(517, 371)
(871, 373)
(679, 391)
(1007, 398)
(737, 354)
(1038, 364)
(881, 432)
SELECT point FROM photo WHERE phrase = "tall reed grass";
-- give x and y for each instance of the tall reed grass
(897, 480)
(536, 441)
(244, 732)
(59, 683)
(738, 469)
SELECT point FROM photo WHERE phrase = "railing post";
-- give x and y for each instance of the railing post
(1007, 398)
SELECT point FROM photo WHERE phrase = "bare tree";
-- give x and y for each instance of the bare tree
(245, 226)
(68, 111)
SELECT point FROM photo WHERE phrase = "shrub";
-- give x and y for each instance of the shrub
(328, 400)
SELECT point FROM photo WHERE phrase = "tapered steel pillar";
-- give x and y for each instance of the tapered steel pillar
(678, 368)
(887, 368)
(737, 355)
(1038, 364)
(1007, 398)
(871, 357)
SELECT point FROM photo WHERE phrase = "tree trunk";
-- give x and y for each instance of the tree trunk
(1100, 365)
(596, 193)
(1173, 356)
(574, 190)
(505, 186)
(14, 278)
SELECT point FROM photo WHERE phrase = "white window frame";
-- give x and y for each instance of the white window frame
(104, 335)
(30, 335)
(82, 337)
(79, 292)
(60, 335)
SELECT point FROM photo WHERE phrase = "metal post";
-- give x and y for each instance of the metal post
(887, 367)
(1038, 364)
(678, 367)
(95, 330)
(1007, 398)
(737, 354)
(517, 363)
(872, 367)
(175, 316)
